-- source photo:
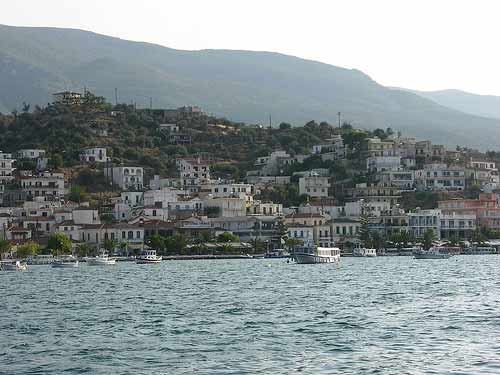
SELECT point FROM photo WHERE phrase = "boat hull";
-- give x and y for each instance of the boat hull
(432, 256)
(301, 258)
(148, 261)
(13, 267)
(100, 262)
(64, 264)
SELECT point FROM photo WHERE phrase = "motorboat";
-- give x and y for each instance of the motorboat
(102, 259)
(432, 253)
(277, 253)
(364, 252)
(310, 253)
(65, 262)
(148, 257)
(13, 266)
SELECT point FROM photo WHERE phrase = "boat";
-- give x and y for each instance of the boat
(148, 257)
(277, 253)
(364, 252)
(102, 259)
(13, 266)
(310, 253)
(65, 262)
(432, 253)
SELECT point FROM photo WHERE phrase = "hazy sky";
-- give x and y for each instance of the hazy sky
(420, 44)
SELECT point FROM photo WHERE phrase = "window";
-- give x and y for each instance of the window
(138, 234)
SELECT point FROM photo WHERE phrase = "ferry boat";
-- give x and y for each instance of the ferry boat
(311, 253)
(101, 260)
(65, 262)
(432, 253)
(364, 252)
(13, 266)
(148, 257)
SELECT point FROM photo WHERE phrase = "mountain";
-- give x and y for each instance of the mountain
(242, 85)
(474, 104)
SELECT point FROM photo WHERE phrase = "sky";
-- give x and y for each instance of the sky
(417, 44)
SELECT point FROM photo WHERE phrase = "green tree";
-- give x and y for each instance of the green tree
(364, 233)
(27, 249)
(176, 244)
(157, 242)
(78, 194)
(228, 237)
(428, 239)
(83, 250)
(377, 240)
(110, 245)
(291, 242)
(5, 246)
(59, 243)
(285, 126)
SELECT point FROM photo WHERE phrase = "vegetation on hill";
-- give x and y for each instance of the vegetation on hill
(243, 85)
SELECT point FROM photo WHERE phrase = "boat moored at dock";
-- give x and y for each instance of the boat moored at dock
(65, 262)
(148, 257)
(13, 266)
(310, 253)
(364, 252)
(102, 259)
(433, 253)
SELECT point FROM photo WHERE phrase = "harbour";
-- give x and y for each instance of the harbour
(238, 316)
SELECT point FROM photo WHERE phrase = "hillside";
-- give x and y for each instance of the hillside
(474, 104)
(242, 85)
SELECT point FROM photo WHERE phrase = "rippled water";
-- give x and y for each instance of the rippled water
(367, 316)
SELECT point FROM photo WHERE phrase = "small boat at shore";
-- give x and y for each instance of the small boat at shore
(65, 262)
(13, 266)
(364, 252)
(312, 254)
(432, 253)
(101, 260)
(148, 257)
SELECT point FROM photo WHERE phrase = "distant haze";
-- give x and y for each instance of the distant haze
(423, 45)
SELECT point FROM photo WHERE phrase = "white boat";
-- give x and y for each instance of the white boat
(432, 253)
(13, 266)
(148, 257)
(311, 254)
(65, 262)
(364, 252)
(101, 260)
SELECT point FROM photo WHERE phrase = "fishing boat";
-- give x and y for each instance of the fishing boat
(310, 253)
(13, 266)
(148, 257)
(364, 252)
(102, 259)
(65, 262)
(432, 253)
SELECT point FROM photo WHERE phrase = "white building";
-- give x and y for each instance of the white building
(383, 163)
(334, 149)
(314, 186)
(228, 207)
(223, 189)
(170, 128)
(422, 220)
(30, 153)
(44, 184)
(6, 167)
(439, 176)
(193, 172)
(94, 154)
(126, 177)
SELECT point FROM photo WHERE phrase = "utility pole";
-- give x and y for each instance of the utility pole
(338, 114)
(150, 102)
(116, 96)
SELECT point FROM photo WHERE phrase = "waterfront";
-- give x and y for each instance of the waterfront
(390, 315)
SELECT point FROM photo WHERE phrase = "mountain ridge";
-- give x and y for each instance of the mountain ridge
(242, 85)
